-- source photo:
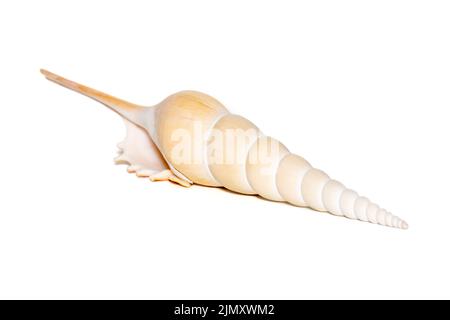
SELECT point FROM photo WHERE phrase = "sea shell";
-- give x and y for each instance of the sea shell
(191, 137)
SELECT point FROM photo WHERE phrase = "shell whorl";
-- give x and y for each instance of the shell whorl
(282, 176)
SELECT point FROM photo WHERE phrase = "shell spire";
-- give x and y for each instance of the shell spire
(264, 166)
(321, 193)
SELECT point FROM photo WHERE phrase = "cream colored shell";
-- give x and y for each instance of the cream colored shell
(153, 139)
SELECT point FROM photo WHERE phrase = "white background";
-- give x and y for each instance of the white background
(359, 88)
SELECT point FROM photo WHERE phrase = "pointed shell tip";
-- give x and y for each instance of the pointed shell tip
(44, 72)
